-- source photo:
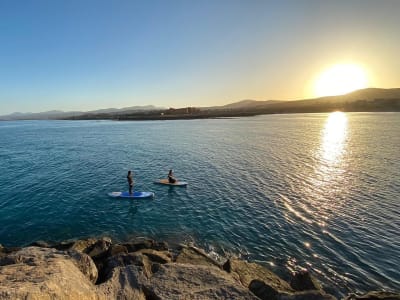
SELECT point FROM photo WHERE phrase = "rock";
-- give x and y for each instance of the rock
(262, 290)
(161, 257)
(161, 246)
(307, 295)
(303, 280)
(99, 248)
(375, 295)
(85, 265)
(183, 281)
(44, 273)
(247, 272)
(124, 283)
(42, 244)
(122, 260)
(83, 246)
(194, 256)
(64, 245)
(266, 292)
(116, 249)
(138, 245)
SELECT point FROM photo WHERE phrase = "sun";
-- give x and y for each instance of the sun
(340, 79)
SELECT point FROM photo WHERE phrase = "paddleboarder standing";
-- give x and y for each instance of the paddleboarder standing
(130, 181)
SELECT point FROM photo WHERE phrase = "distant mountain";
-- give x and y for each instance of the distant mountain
(368, 94)
(248, 103)
(371, 99)
(58, 114)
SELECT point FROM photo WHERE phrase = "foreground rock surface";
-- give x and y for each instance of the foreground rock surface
(145, 270)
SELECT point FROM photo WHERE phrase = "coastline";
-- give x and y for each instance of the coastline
(146, 269)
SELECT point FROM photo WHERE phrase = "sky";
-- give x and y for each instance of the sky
(84, 55)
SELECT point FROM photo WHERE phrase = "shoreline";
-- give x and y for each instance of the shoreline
(97, 268)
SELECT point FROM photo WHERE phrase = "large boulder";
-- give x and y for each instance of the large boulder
(44, 273)
(183, 281)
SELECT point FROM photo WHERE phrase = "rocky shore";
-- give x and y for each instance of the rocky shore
(148, 270)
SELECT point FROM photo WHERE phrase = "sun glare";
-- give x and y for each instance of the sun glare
(340, 79)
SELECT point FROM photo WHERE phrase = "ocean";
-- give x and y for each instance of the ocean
(314, 191)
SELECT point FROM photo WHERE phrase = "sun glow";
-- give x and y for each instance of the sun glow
(340, 79)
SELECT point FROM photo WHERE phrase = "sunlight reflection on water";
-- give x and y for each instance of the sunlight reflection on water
(334, 138)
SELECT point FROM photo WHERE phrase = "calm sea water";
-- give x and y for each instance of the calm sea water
(318, 191)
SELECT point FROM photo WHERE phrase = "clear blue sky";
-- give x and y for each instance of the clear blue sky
(81, 55)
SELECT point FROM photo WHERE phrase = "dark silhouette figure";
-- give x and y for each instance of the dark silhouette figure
(130, 181)
(171, 178)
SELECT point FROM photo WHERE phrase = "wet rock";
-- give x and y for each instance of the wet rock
(375, 295)
(247, 272)
(195, 256)
(303, 280)
(183, 281)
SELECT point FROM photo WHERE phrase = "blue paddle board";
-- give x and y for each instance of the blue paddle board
(166, 182)
(134, 195)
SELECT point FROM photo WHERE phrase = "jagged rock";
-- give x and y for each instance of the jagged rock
(375, 295)
(303, 281)
(182, 281)
(85, 264)
(247, 272)
(124, 283)
(44, 273)
(195, 256)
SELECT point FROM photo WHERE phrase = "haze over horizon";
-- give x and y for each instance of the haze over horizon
(76, 55)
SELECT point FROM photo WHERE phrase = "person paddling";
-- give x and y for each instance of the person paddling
(130, 181)
(171, 178)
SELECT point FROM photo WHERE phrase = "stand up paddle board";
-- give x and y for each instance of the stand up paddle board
(134, 195)
(166, 182)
